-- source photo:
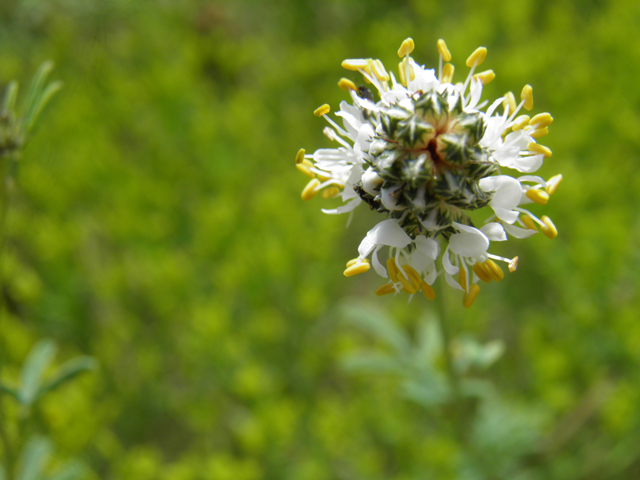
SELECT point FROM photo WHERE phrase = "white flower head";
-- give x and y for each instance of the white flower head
(425, 154)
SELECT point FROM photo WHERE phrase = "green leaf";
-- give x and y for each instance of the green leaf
(371, 363)
(34, 367)
(73, 470)
(429, 339)
(34, 457)
(40, 102)
(428, 392)
(68, 371)
(6, 389)
(378, 325)
(35, 88)
(10, 96)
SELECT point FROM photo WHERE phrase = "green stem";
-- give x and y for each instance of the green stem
(4, 207)
(452, 375)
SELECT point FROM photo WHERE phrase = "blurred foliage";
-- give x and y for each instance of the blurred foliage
(158, 228)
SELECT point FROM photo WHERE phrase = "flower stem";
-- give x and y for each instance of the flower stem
(446, 324)
(4, 207)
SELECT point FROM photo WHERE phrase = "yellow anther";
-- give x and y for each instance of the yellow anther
(322, 110)
(323, 178)
(393, 270)
(539, 196)
(527, 96)
(549, 228)
(310, 190)
(355, 64)
(305, 167)
(444, 51)
(347, 84)
(462, 279)
(541, 120)
(513, 264)
(539, 132)
(330, 192)
(496, 272)
(477, 57)
(529, 223)
(406, 48)
(520, 122)
(378, 70)
(356, 260)
(413, 276)
(534, 147)
(385, 289)
(470, 296)
(407, 284)
(300, 155)
(553, 183)
(485, 77)
(402, 70)
(510, 101)
(356, 268)
(428, 291)
(480, 272)
(447, 73)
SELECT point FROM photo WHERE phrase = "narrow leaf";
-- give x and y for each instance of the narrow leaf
(73, 470)
(36, 86)
(34, 457)
(68, 371)
(371, 363)
(34, 366)
(378, 325)
(41, 102)
(10, 96)
(6, 389)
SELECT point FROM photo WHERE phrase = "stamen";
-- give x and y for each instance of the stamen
(469, 297)
(355, 64)
(305, 167)
(392, 269)
(428, 291)
(406, 48)
(347, 84)
(330, 192)
(310, 190)
(477, 57)
(484, 77)
(538, 196)
(513, 264)
(541, 120)
(377, 68)
(553, 183)
(510, 101)
(403, 67)
(527, 97)
(406, 284)
(549, 228)
(300, 155)
(356, 268)
(355, 260)
(444, 51)
(462, 279)
(529, 223)
(538, 132)
(534, 147)
(482, 275)
(322, 110)
(385, 289)
(413, 276)
(520, 122)
(447, 73)
(497, 273)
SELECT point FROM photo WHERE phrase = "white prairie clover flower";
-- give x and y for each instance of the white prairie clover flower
(425, 154)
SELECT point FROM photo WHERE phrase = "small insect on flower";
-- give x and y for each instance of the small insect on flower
(424, 155)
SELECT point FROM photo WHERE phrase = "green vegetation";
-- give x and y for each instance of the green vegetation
(156, 225)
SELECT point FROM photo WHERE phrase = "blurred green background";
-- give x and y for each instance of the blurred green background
(158, 227)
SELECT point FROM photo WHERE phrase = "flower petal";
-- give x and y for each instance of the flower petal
(470, 242)
(494, 232)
